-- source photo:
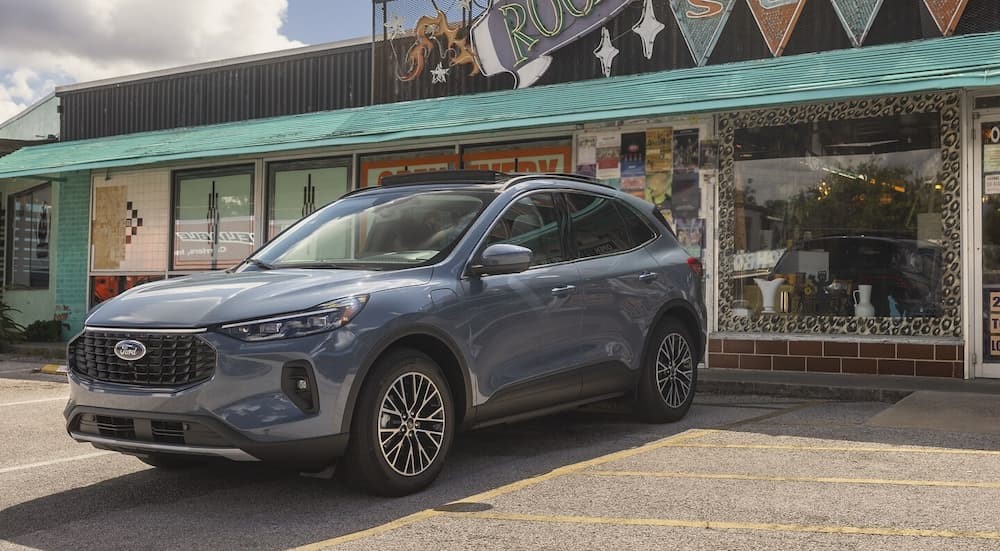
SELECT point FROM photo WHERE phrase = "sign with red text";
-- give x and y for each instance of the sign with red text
(547, 159)
(373, 171)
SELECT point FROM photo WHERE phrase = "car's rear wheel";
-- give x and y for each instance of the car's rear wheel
(172, 461)
(669, 374)
(402, 428)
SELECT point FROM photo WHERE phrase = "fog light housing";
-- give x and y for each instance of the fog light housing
(299, 385)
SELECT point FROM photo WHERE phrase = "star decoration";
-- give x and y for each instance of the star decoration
(647, 28)
(439, 74)
(606, 52)
(395, 26)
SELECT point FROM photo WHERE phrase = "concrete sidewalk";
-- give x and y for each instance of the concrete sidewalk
(834, 386)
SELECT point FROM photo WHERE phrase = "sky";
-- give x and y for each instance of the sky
(45, 43)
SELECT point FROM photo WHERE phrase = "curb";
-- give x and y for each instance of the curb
(53, 369)
(825, 392)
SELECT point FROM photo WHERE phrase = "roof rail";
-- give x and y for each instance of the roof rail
(445, 177)
(517, 177)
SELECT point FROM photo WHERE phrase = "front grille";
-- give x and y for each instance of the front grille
(172, 359)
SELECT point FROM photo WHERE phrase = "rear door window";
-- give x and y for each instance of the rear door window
(598, 228)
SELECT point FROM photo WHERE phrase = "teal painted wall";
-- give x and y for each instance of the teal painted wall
(74, 252)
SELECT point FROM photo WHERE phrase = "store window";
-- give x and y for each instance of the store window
(543, 156)
(29, 230)
(839, 218)
(213, 218)
(297, 189)
(376, 167)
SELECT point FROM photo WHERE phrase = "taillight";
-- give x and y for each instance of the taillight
(696, 266)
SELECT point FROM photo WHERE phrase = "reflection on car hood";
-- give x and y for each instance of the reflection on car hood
(208, 299)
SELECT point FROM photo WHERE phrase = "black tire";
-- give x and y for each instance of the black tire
(669, 374)
(395, 455)
(172, 461)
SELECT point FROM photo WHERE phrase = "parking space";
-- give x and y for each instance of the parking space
(740, 472)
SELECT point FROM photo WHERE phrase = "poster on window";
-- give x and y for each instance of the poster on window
(609, 156)
(586, 155)
(686, 150)
(373, 170)
(691, 234)
(633, 163)
(105, 287)
(130, 228)
(659, 150)
(550, 160)
(708, 156)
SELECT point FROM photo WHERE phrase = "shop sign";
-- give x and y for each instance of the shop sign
(372, 172)
(776, 20)
(701, 23)
(516, 36)
(546, 160)
(946, 13)
(197, 245)
(857, 17)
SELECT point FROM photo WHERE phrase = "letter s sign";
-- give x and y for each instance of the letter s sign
(706, 8)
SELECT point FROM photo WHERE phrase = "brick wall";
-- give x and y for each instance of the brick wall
(73, 251)
(874, 358)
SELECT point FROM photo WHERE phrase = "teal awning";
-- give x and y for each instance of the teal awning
(938, 64)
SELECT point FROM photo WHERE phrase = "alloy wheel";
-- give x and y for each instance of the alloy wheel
(411, 424)
(674, 370)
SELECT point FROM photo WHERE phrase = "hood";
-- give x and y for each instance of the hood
(208, 299)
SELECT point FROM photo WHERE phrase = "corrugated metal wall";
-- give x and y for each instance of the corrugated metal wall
(318, 81)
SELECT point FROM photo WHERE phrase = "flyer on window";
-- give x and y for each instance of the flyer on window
(633, 162)
(586, 155)
(608, 155)
(686, 150)
(691, 234)
(659, 150)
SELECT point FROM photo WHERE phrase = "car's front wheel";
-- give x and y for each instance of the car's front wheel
(402, 428)
(669, 374)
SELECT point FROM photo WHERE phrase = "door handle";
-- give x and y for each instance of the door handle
(563, 291)
(648, 277)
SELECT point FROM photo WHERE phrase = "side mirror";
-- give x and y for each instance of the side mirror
(500, 259)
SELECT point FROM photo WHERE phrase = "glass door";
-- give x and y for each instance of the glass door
(987, 174)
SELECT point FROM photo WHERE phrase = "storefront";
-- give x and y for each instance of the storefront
(845, 214)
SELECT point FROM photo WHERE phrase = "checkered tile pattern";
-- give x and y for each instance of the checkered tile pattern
(132, 222)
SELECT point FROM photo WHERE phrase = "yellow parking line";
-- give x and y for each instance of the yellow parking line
(720, 525)
(53, 369)
(945, 451)
(509, 488)
(823, 480)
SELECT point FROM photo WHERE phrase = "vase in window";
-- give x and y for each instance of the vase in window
(768, 292)
(863, 307)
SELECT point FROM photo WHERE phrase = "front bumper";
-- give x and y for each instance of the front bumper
(242, 412)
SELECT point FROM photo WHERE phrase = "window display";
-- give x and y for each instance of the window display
(129, 226)
(376, 167)
(839, 218)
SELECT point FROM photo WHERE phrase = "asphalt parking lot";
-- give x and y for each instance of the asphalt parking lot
(740, 472)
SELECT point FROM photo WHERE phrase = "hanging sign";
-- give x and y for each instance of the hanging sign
(516, 36)
(946, 13)
(857, 17)
(701, 23)
(776, 20)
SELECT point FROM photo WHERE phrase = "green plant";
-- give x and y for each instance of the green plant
(10, 330)
(44, 331)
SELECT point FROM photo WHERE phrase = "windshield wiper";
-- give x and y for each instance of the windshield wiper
(259, 263)
(336, 266)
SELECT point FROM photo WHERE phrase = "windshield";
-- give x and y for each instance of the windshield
(384, 231)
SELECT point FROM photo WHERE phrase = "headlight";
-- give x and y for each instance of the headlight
(325, 317)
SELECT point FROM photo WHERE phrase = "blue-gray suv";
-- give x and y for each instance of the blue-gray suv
(379, 326)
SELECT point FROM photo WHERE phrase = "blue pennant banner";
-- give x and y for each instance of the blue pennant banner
(701, 23)
(857, 17)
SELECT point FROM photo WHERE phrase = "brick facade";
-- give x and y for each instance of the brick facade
(73, 258)
(872, 358)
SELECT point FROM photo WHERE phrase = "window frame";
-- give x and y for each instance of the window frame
(175, 179)
(274, 167)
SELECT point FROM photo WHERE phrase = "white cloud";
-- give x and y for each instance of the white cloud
(43, 42)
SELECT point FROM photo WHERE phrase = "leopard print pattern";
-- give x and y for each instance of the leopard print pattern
(949, 323)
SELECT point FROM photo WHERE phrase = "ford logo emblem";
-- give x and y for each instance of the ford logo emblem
(130, 350)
